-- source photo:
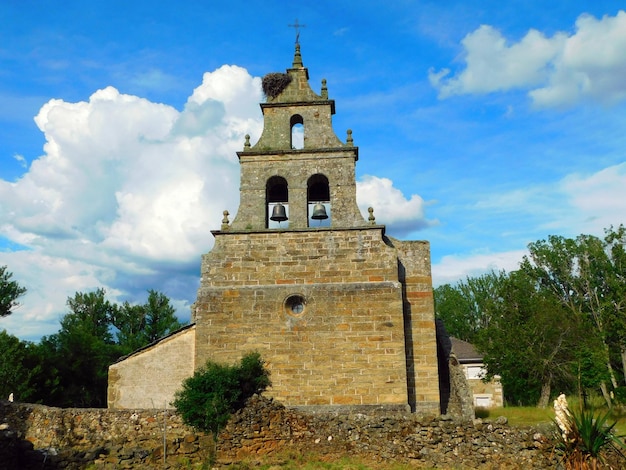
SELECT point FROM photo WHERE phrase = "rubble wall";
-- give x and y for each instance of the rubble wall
(35, 436)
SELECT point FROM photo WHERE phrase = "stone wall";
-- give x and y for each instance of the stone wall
(148, 378)
(264, 429)
(41, 437)
(347, 347)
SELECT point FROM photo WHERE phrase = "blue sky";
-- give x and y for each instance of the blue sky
(482, 126)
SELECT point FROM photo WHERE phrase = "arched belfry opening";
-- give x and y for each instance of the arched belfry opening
(296, 124)
(276, 203)
(318, 201)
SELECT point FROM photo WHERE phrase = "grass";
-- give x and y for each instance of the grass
(313, 461)
(519, 415)
(532, 416)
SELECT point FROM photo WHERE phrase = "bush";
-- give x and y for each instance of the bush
(583, 436)
(208, 398)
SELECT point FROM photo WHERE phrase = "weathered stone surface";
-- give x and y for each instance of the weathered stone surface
(46, 438)
(363, 333)
(368, 309)
(149, 377)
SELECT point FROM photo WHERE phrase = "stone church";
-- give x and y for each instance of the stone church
(341, 313)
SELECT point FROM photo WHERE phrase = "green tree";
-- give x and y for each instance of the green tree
(82, 350)
(523, 332)
(10, 291)
(160, 317)
(90, 313)
(70, 367)
(530, 341)
(589, 367)
(15, 372)
(585, 274)
(140, 325)
(615, 307)
(129, 321)
(43, 359)
(466, 307)
(208, 398)
(456, 311)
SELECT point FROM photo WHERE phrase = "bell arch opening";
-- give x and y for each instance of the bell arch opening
(318, 201)
(276, 203)
(296, 124)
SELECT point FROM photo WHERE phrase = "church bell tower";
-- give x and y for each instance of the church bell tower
(341, 313)
(298, 175)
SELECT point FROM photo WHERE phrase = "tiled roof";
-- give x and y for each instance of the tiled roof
(464, 351)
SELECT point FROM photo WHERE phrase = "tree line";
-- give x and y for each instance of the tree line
(555, 325)
(70, 368)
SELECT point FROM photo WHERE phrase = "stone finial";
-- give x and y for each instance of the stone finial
(297, 58)
(324, 89)
(225, 221)
(349, 140)
(246, 145)
(371, 218)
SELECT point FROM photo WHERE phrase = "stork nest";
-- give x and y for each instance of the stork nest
(275, 83)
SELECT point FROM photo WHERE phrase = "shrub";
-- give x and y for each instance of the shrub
(208, 398)
(583, 437)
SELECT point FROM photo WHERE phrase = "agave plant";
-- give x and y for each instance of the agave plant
(585, 437)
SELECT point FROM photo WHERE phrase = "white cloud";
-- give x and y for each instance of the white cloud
(453, 268)
(492, 65)
(126, 193)
(557, 71)
(21, 160)
(577, 204)
(391, 208)
(591, 65)
(50, 281)
(598, 199)
(153, 79)
(235, 88)
(128, 190)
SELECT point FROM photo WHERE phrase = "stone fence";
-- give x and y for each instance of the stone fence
(35, 436)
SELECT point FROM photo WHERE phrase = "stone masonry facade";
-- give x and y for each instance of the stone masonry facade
(341, 313)
(348, 346)
(149, 377)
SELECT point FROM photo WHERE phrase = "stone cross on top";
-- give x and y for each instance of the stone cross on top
(297, 26)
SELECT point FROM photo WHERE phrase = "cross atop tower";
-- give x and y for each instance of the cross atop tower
(297, 26)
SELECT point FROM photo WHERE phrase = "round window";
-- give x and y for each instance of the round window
(294, 305)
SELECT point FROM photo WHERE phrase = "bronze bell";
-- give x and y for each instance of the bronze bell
(278, 213)
(319, 212)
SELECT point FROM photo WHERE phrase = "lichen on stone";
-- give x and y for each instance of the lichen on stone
(275, 83)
